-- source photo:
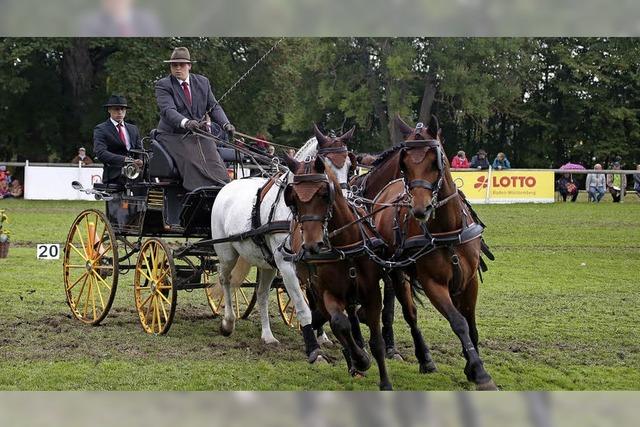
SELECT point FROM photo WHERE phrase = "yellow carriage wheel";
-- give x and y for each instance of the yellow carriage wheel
(244, 297)
(153, 287)
(286, 306)
(90, 267)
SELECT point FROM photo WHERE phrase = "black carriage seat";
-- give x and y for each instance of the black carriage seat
(228, 155)
(161, 164)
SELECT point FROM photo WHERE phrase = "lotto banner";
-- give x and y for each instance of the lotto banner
(513, 186)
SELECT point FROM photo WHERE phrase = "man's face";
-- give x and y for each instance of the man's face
(180, 70)
(81, 153)
(117, 113)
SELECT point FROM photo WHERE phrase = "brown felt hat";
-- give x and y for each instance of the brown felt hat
(180, 54)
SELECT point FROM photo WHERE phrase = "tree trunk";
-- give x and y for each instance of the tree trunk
(428, 97)
(78, 76)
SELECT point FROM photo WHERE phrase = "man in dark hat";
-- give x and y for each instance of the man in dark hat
(479, 161)
(185, 100)
(113, 139)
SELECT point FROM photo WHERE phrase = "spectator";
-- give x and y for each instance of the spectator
(82, 158)
(291, 152)
(616, 183)
(501, 162)
(5, 192)
(636, 181)
(261, 145)
(460, 161)
(271, 150)
(567, 187)
(596, 185)
(479, 161)
(16, 188)
(4, 175)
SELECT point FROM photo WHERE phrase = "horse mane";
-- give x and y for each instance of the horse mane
(309, 149)
(386, 154)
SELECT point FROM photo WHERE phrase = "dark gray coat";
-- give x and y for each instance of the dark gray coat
(173, 104)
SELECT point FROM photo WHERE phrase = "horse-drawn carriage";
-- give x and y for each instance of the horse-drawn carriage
(161, 232)
(429, 238)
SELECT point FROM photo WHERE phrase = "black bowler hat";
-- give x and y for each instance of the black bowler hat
(116, 101)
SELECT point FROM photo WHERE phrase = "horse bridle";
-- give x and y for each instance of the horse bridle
(322, 152)
(435, 186)
(319, 178)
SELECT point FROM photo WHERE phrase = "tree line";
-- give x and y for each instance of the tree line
(542, 101)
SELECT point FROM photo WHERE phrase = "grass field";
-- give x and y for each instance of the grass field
(558, 310)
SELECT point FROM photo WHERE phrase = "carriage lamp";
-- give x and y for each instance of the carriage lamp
(130, 169)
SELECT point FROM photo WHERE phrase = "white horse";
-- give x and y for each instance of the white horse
(231, 215)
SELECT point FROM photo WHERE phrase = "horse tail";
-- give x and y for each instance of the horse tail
(417, 291)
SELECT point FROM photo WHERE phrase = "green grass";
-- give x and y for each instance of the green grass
(558, 310)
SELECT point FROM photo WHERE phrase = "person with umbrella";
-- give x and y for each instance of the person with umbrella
(567, 187)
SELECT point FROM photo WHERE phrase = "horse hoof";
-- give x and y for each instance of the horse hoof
(357, 374)
(320, 360)
(487, 386)
(393, 354)
(324, 340)
(428, 367)
(362, 365)
(225, 330)
(270, 341)
(315, 357)
(386, 387)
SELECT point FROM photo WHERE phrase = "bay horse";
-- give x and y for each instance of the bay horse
(326, 243)
(436, 239)
(386, 168)
(237, 210)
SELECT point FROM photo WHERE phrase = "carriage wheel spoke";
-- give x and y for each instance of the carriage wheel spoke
(143, 273)
(157, 311)
(98, 277)
(84, 275)
(86, 302)
(98, 289)
(74, 266)
(145, 302)
(164, 310)
(81, 291)
(244, 296)
(93, 300)
(164, 298)
(84, 257)
(153, 259)
(84, 246)
(293, 314)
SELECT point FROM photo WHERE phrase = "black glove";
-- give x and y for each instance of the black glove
(230, 129)
(192, 125)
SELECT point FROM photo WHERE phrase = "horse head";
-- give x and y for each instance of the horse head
(334, 149)
(423, 162)
(310, 196)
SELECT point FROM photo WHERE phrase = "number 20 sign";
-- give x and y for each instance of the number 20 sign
(48, 251)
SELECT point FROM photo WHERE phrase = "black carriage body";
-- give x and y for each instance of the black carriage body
(156, 205)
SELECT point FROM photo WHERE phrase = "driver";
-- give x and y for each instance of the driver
(184, 100)
(113, 139)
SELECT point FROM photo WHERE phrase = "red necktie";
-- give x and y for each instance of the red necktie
(187, 92)
(121, 132)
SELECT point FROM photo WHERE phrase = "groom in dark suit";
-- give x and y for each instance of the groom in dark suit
(185, 101)
(113, 139)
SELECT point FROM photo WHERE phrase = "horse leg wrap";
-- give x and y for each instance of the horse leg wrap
(311, 345)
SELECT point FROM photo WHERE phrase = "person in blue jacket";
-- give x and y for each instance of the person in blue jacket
(501, 162)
